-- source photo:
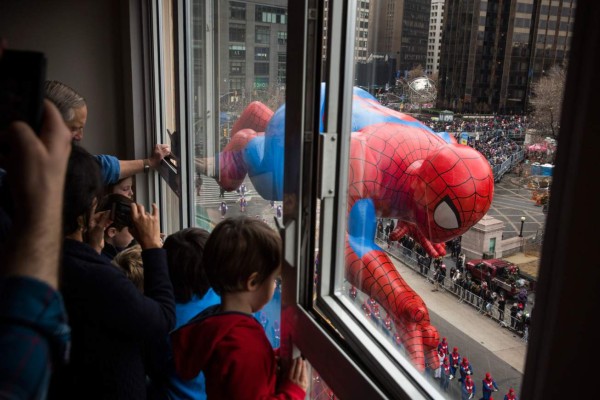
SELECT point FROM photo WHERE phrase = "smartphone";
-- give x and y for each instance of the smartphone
(22, 77)
(120, 213)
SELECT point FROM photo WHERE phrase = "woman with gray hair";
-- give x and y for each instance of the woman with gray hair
(73, 108)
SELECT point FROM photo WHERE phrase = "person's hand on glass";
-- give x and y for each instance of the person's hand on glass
(158, 154)
(299, 373)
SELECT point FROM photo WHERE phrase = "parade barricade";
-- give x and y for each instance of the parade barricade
(409, 258)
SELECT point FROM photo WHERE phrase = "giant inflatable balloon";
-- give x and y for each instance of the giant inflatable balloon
(399, 168)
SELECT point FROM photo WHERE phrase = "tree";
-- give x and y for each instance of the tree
(546, 102)
(416, 72)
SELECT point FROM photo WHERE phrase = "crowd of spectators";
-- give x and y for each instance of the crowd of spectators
(496, 147)
(478, 294)
(491, 136)
(509, 124)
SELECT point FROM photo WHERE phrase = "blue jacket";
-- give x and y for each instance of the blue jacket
(464, 393)
(488, 388)
(463, 370)
(194, 388)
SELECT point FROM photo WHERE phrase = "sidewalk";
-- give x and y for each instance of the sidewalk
(502, 342)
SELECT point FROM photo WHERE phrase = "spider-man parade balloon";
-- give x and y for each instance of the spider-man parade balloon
(399, 168)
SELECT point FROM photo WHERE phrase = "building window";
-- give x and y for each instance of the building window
(237, 68)
(281, 70)
(282, 38)
(237, 33)
(261, 53)
(261, 68)
(237, 51)
(237, 10)
(236, 83)
(262, 35)
(273, 15)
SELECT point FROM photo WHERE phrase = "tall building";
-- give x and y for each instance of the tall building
(493, 50)
(361, 31)
(434, 42)
(253, 58)
(400, 30)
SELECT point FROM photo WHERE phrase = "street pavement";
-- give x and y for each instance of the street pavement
(512, 200)
(209, 201)
(488, 346)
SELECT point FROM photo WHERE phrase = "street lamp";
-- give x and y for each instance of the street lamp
(522, 223)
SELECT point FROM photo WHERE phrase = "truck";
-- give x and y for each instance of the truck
(499, 274)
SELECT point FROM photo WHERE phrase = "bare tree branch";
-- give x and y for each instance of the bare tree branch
(546, 102)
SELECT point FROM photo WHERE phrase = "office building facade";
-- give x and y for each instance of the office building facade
(434, 41)
(252, 60)
(493, 50)
(400, 30)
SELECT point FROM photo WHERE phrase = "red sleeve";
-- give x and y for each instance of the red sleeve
(247, 369)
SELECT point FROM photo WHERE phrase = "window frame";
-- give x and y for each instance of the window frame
(262, 32)
(356, 366)
(345, 370)
(168, 212)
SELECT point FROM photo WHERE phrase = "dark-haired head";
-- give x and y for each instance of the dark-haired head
(83, 185)
(237, 248)
(184, 256)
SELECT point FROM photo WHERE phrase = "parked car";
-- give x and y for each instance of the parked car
(499, 274)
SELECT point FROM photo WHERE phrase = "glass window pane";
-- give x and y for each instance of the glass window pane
(261, 53)
(172, 185)
(237, 33)
(405, 215)
(225, 184)
(261, 69)
(263, 35)
(237, 10)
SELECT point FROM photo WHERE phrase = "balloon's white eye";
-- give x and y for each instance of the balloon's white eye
(445, 214)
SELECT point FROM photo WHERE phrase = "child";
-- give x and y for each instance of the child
(242, 259)
(117, 236)
(123, 186)
(193, 295)
(130, 261)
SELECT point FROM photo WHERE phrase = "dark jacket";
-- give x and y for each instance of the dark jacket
(110, 319)
(109, 251)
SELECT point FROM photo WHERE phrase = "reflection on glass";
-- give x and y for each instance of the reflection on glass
(170, 172)
(232, 172)
(251, 86)
(435, 188)
(411, 190)
(318, 389)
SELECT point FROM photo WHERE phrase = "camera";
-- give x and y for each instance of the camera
(120, 213)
